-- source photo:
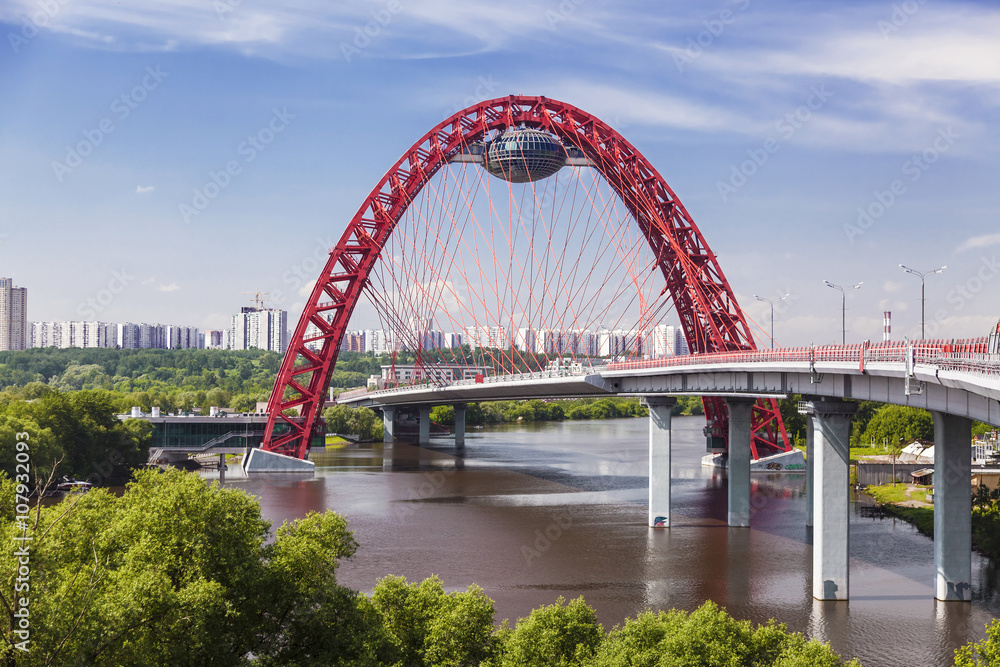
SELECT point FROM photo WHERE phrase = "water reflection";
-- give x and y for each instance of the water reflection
(532, 512)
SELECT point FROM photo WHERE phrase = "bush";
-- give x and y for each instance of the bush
(708, 637)
(559, 635)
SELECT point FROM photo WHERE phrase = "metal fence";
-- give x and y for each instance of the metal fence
(874, 474)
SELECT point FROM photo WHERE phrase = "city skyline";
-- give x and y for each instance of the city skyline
(227, 148)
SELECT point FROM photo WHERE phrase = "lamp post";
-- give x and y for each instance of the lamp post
(843, 308)
(922, 276)
(771, 303)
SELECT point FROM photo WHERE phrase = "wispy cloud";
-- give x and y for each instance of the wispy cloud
(143, 189)
(978, 242)
(172, 287)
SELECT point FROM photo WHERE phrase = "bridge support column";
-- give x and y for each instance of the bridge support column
(660, 408)
(831, 497)
(388, 424)
(810, 471)
(425, 426)
(460, 425)
(952, 507)
(738, 474)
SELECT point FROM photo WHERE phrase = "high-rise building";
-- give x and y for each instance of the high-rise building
(45, 334)
(181, 337)
(478, 336)
(13, 316)
(260, 328)
(216, 339)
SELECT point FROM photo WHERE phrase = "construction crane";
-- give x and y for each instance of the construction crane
(258, 298)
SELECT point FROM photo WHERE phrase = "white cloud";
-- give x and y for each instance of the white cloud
(172, 287)
(306, 289)
(979, 242)
(892, 286)
(142, 189)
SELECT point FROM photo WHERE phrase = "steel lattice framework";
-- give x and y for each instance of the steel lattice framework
(710, 316)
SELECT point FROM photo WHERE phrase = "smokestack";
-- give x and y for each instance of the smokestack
(886, 326)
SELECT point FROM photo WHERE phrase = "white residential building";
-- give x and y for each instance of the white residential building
(477, 336)
(260, 328)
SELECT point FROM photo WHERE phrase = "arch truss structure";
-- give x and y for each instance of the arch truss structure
(462, 237)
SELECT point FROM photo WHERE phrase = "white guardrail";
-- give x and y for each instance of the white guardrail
(959, 355)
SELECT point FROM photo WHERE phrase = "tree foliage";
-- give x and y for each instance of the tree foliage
(362, 422)
(708, 637)
(894, 422)
(79, 429)
(179, 572)
(985, 653)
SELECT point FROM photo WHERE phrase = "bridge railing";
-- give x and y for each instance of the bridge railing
(968, 355)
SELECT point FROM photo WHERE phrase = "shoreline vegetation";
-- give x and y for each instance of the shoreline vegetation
(194, 569)
(909, 502)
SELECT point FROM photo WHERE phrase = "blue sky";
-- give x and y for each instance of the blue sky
(847, 102)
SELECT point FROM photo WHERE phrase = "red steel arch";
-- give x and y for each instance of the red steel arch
(710, 317)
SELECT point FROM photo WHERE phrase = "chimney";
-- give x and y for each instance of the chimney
(886, 326)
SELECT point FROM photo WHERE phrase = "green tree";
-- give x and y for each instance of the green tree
(985, 653)
(431, 627)
(558, 635)
(363, 423)
(862, 416)
(45, 451)
(443, 414)
(708, 637)
(178, 572)
(893, 422)
(338, 419)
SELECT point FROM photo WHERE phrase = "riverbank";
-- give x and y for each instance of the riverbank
(908, 502)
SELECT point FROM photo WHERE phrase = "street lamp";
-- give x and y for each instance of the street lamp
(922, 276)
(843, 308)
(771, 302)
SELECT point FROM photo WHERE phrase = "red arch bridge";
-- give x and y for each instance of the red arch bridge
(557, 252)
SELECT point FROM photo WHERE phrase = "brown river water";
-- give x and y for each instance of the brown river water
(537, 511)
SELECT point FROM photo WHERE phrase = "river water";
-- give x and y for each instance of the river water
(532, 512)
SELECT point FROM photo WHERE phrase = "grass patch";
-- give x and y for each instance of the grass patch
(336, 441)
(869, 451)
(888, 495)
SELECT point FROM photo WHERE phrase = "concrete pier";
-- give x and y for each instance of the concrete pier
(259, 460)
(460, 425)
(952, 507)
(810, 471)
(831, 422)
(660, 408)
(740, 434)
(425, 426)
(388, 424)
